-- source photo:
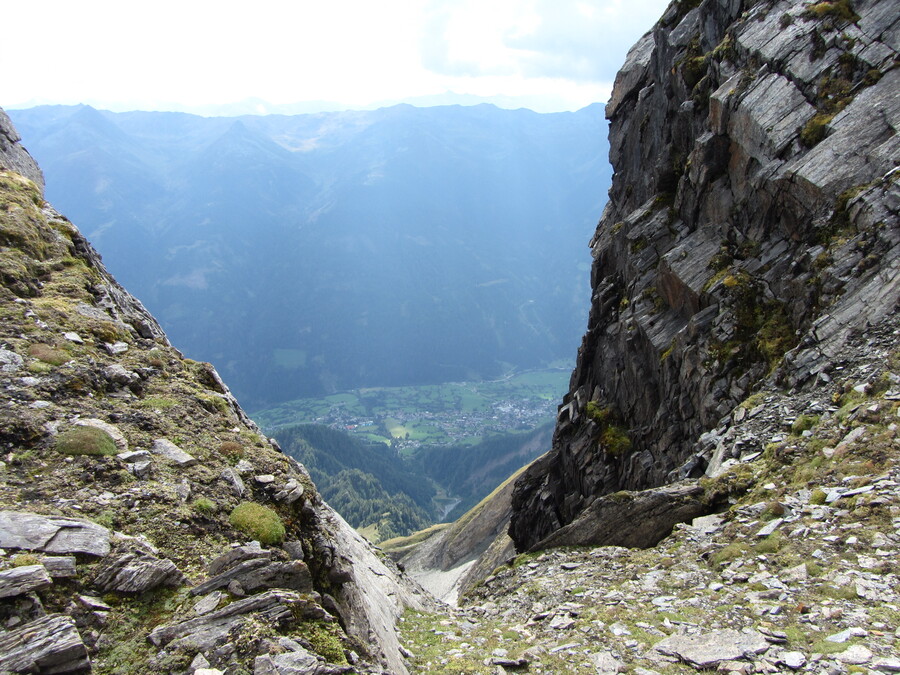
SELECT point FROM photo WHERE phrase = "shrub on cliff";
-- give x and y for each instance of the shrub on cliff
(258, 521)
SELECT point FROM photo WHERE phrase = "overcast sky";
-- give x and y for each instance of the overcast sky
(163, 55)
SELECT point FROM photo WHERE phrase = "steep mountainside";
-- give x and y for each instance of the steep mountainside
(146, 526)
(752, 228)
(316, 253)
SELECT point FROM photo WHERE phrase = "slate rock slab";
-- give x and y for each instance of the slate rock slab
(20, 580)
(170, 451)
(137, 573)
(50, 644)
(707, 650)
(52, 534)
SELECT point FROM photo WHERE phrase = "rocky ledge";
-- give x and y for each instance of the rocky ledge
(796, 574)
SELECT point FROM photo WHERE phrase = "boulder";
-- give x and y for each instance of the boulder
(632, 519)
(707, 650)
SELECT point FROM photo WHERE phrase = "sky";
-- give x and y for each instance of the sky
(548, 55)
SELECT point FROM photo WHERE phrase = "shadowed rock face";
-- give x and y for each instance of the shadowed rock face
(752, 225)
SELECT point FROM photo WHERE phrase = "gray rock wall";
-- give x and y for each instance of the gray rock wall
(752, 225)
(13, 156)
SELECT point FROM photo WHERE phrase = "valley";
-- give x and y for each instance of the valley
(407, 418)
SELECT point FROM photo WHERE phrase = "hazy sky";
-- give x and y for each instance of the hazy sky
(127, 54)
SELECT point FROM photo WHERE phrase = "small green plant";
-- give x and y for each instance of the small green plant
(83, 440)
(731, 552)
(814, 569)
(205, 506)
(770, 544)
(804, 423)
(815, 130)
(838, 9)
(157, 403)
(156, 358)
(232, 451)
(817, 497)
(258, 521)
(47, 354)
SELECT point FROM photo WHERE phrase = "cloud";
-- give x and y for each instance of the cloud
(578, 40)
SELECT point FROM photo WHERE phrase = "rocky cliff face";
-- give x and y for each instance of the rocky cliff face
(752, 228)
(146, 525)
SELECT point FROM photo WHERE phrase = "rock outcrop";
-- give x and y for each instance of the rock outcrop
(130, 473)
(752, 227)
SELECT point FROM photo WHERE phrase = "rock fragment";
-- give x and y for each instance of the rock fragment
(137, 573)
(50, 644)
(166, 448)
(20, 580)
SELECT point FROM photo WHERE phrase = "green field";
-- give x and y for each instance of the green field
(431, 414)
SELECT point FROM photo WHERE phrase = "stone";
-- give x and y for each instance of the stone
(297, 662)
(770, 527)
(21, 580)
(135, 456)
(205, 632)
(840, 637)
(119, 375)
(234, 480)
(657, 511)
(562, 622)
(166, 448)
(607, 664)
(292, 491)
(52, 534)
(855, 655)
(138, 573)
(886, 664)
(793, 660)
(200, 662)
(237, 555)
(115, 348)
(707, 650)
(60, 567)
(259, 573)
(10, 362)
(50, 644)
(73, 337)
(141, 469)
(797, 573)
(208, 603)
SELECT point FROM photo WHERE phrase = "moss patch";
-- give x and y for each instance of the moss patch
(85, 441)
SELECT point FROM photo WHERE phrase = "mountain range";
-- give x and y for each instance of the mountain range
(309, 254)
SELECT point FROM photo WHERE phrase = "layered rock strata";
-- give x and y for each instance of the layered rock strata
(752, 226)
